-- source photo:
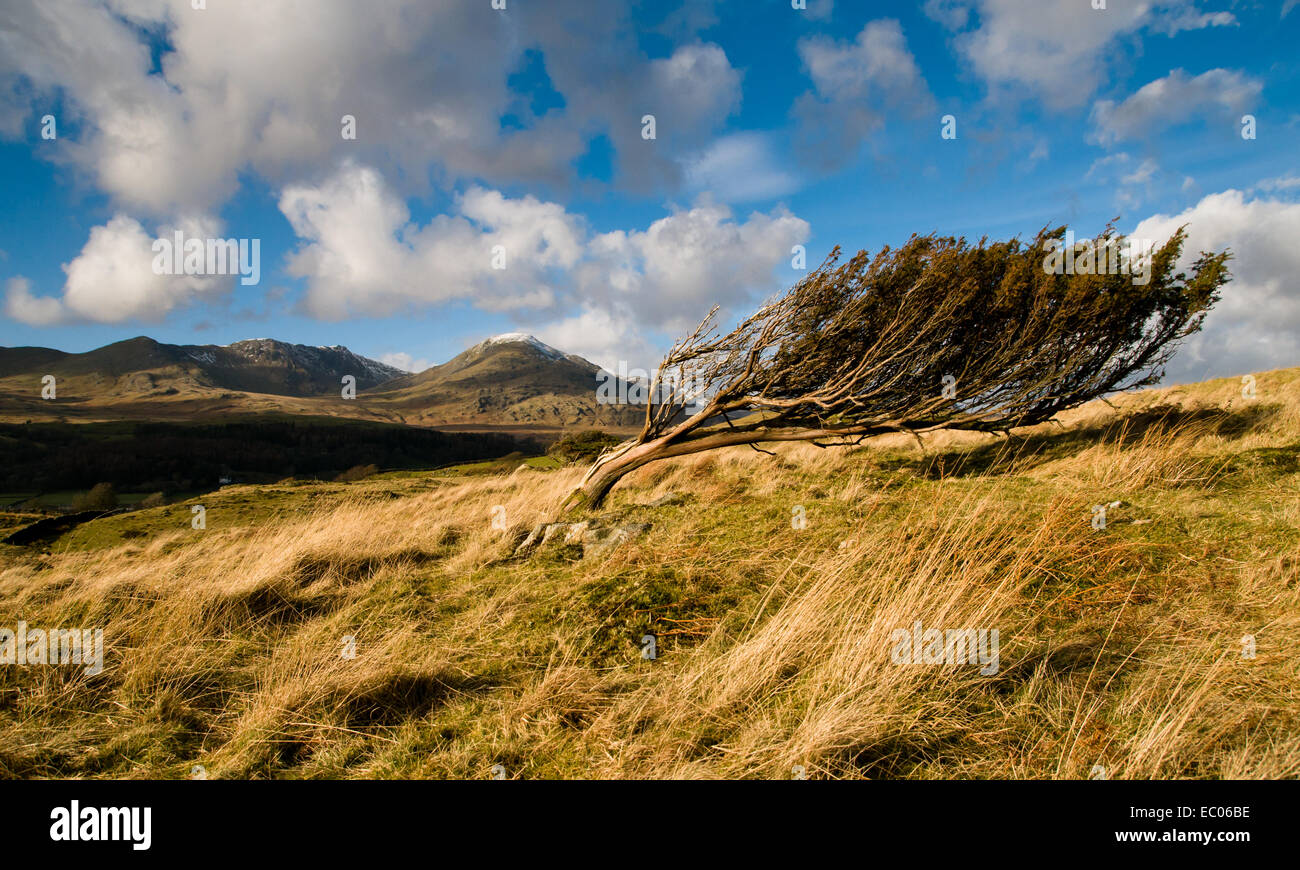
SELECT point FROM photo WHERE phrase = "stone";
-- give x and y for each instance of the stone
(575, 532)
(592, 537)
(668, 499)
(598, 542)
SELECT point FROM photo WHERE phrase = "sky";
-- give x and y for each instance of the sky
(421, 174)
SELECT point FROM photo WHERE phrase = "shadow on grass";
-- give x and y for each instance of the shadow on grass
(399, 697)
(1023, 452)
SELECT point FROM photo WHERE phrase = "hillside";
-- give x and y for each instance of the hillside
(512, 381)
(144, 367)
(140, 378)
(508, 380)
(382, 629)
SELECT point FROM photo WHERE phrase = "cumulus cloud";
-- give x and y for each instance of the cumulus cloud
(1057, 49)
(820, 10)
(1281, 182)
(877, 60)
(1177, 98)
(856, 85)
(611, 87)
(261, 85)
(23, 306)
(113, 280)
(605, 336)
(952, 14)
(669, 275)
(405, 361)
(248, 85)
(1256, 325)
(362, 256)
(741, 168)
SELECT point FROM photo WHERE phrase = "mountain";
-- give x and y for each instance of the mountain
(509, 381)
(19, 360)
(263, 365)
(144, 366)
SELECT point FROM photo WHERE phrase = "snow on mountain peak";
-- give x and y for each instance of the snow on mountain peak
(525, 338)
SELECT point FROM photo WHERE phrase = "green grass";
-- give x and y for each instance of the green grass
(237, 506)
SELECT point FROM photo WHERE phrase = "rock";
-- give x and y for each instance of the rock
(551, 530)
(668, 499)
(541, 533)
(599, 541)
(575, 532)
(592, 537)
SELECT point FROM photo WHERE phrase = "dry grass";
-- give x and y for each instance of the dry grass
(1119, 647)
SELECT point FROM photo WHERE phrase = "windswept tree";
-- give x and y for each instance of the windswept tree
(936, 334)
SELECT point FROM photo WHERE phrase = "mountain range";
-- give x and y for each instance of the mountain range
(511, 381)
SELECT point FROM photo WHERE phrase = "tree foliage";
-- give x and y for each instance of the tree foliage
(583, 446)
(938, 333)
(101, 497)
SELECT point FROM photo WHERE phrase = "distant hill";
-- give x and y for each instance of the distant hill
(259, 365)
(510, 381)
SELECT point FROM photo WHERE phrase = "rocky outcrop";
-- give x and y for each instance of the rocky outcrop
(595, 537)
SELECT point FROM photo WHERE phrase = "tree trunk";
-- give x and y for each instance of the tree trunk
(602, 476)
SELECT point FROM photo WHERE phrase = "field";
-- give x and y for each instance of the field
(381, 628)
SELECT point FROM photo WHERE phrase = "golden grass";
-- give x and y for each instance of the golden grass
(1120, 648)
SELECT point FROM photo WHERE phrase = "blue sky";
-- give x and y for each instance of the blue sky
(522, 128)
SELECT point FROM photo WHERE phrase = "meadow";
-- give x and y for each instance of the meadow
(383, 628)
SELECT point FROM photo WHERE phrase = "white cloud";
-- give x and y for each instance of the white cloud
(671, 274)
(1143, 174)
(820, 10)
(952, 14)
(1175, 99)
(878, 61)
(112, 280)
(1131, 181)
(1281, 182)
(24, 307)
(1058, 49)
(405, 361)
(741, 168)
(697, 82)
(1256, 325)
(249, 85)
(605, 337)
(1190, 18)
(362, 256)
(856, 86)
